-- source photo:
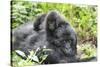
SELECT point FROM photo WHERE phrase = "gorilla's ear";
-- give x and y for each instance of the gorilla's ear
(39, 20)
(53, 20)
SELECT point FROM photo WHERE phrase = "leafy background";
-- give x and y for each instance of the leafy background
(83, 19)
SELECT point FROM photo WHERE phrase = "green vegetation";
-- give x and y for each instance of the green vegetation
(82, 17)
(86, 50)
(35, 57)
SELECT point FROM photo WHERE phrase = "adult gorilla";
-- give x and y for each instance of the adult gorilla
(51, 31)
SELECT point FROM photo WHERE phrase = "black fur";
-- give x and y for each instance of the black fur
(51, 31)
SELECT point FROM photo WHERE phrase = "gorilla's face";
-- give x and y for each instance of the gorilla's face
(63, 39)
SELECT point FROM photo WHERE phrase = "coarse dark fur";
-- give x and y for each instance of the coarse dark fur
(51, 31)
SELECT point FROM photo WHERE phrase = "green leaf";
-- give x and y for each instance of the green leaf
(20, 53)
(34, 57)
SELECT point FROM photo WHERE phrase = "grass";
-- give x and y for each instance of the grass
(86, 50)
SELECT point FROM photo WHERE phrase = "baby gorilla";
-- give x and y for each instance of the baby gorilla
(51, 31)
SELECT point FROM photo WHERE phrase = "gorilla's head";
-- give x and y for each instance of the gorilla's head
(53, 20)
